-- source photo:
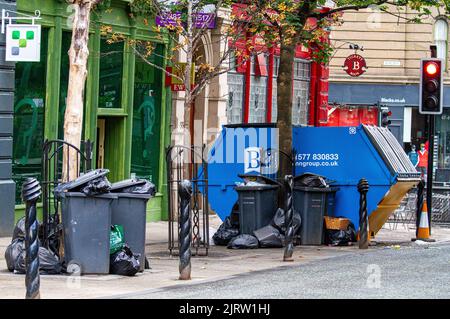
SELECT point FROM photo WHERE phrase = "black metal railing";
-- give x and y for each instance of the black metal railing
(52, 175)
(188, 163)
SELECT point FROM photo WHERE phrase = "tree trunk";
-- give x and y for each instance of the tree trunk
(284, 102)
(78, 57)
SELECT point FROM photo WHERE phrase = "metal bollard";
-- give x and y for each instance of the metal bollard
(185, 194)
(419, 205)
(363, 188)
(31, 190)
(289, 245)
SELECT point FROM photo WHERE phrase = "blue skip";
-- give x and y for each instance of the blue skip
(342, 154)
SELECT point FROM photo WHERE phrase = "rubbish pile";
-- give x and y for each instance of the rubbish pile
(86, 204)
(257, 221)
(49, 263)
(122, 260)
(270, 236)
(339, 231)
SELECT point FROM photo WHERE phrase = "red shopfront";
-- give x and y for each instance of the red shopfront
(252, 87)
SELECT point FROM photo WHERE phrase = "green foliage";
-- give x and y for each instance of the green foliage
(292, 22)
(143, 8)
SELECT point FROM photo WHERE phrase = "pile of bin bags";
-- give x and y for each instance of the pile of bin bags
(122, 260)
(49, 263)
(95, 182)
(270, 236)
(273, 235)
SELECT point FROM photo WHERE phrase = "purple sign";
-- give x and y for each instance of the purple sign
(201, 20)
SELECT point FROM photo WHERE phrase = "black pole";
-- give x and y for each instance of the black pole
(289, 245)
(430, 168)
(185, 193)
(431, 118)
(419, 203)
(31, 190)
(363, 188)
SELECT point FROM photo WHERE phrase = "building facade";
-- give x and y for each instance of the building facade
(393, 48)
(127, 107)
(7, 185)
(247, 93)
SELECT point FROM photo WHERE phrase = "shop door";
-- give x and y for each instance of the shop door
(110, 146)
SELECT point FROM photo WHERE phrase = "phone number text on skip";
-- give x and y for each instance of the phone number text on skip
(317, 157)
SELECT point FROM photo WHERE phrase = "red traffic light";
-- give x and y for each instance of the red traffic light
(431, 68)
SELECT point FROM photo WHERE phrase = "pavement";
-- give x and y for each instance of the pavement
(220, 265)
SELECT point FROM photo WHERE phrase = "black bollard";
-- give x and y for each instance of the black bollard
(185, 194)
(363, 188)
(31, 190)
(289, 220)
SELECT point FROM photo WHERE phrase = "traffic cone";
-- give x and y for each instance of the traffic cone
(423, 232)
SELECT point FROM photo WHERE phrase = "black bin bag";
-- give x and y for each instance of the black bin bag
(340, 237)
(49, 263)
(124, 262)
(243, 241)
(269, 237)
(225, 233)
(13, 252)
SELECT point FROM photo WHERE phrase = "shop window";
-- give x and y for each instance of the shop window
(258, 89)
(441, 38)
(146, 138)
(236, 82)
(300, 100)
(443, 132)
(111, 71)
(29, 106)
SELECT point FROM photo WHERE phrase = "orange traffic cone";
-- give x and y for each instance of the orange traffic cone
(423, 232)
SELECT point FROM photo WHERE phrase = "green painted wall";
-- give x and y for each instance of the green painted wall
(115, 13)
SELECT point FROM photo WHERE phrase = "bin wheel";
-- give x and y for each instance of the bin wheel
(74, 268)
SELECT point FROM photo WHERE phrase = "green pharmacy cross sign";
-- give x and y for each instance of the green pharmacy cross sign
(23, 41)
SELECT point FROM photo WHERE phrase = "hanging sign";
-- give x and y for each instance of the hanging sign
(201, 20)
(23, 43)
(177, 72)
(355, 65)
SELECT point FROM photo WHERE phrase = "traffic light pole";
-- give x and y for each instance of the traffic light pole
(431, 120)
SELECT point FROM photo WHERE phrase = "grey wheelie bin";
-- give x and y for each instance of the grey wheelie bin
(313, 203)
(257, 204)
(87, 222)
(130, 211)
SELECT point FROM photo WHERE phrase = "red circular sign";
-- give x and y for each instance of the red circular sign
(355, 65)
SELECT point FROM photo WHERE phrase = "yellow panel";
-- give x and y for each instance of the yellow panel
(389, 204)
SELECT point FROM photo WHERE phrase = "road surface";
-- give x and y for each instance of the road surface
(393, 272)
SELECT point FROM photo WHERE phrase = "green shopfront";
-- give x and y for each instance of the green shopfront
(127, 107)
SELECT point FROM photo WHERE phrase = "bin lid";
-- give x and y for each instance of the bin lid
(317, 189)
(118, 186)
(131, 195)
(301, 180)
(260, 179)
(80, 194)
(261, 187)
(80, 181)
